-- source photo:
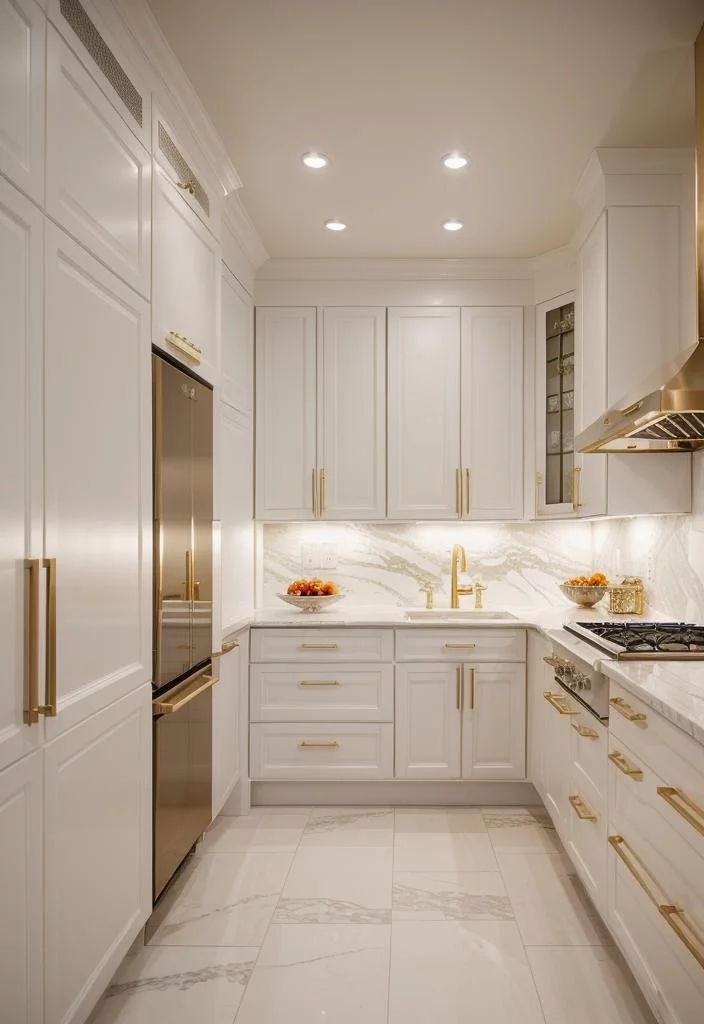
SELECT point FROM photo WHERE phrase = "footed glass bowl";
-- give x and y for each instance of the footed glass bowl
(311, 604)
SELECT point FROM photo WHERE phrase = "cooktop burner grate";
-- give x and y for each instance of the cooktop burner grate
(649, 637)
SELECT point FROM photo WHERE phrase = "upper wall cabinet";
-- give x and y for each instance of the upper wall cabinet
(98, 173)
(22, 33)
(237, 344)
(185, 282)
(456, 413)
(179, 166)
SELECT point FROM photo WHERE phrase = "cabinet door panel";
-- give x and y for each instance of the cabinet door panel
(21, 279)
(237, 524)
(97, 479)
(185, 280)
(98, 174)
(492, 412)
(237, 330)
(423, 412)
(352, 412)
(22, 33)
(21, 892)
(428, 722)
(232, 670)
(97, 827)
(494, 725)
(286, 413)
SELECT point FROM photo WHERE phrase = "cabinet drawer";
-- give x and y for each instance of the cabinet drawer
(323, 645)
(672, 755)
(460, 645)
(587, 833)
(590, 745)
(316, 751)
(322, 693)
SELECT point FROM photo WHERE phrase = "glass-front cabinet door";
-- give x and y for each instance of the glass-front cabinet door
(558, 469)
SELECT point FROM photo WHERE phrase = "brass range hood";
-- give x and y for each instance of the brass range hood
(670, 416)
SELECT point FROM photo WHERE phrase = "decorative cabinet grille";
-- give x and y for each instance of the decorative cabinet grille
(186, 178)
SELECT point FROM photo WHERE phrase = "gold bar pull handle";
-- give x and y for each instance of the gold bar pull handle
(460, 647)
(49, 709)
(579, 807)
(468, 495)
(319, 682)
(685, 807)
(472, 671)
(319, 647)
(625, 766)
(576, 488)
(458, 687)
(190, 691)
(559, 703)
(329, 745)
(315, 494)
(584, 731)
(458, 492)
(690, 938)
(225, 648)
(31, 662)
(321, 502)
(626, 711)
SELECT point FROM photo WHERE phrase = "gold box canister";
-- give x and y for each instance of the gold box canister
(627, 597)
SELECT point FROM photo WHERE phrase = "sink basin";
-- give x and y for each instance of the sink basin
(456, 615)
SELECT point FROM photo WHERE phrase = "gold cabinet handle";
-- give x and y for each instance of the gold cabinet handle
(576, 488)
(31, 661)
(228, 646)
(468, 498)
(319, 647)
(631, 409)
(626, 711)
(185, 345)
(460, 647)
(685, 807)
(584, 731)
(625, 766)
(319, 682)
(674, 916)
(458, 695)
(192, 689)
(315, 494)
(579, 807)
(309, 744)
(458, 492)
(321, 501)
(471, 688)
(559, 703)
(550, 660)
(49, 709)
(187, 186)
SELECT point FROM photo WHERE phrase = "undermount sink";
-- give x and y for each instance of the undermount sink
(456, 615)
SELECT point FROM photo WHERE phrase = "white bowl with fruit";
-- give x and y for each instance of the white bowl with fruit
(312, 595)
(585, 591)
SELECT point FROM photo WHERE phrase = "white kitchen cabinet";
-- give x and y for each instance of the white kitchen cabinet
(97, 849)
(98, 183)
(320, 752)
(286, 474)
(237, 344)
(186, 272)
(236, 498)
(494, 721)
(492, 412)
(97, 482)
(176, 161)
(352, 413)
(557, 710)
(537, 681)
(21, 892)
(21, 301)
(424, 412)
(22, 36)
(428, 721)
(232, 672)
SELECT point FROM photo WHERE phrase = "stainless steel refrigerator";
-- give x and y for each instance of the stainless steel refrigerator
(183, 613)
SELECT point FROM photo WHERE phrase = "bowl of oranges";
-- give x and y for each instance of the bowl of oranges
(312, 595)
(585, 590)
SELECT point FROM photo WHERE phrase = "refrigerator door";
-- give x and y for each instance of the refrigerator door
(202, 470)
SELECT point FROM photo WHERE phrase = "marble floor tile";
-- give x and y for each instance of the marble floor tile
(440, 820)
(514, 817)
(550, 904)
(522, 835)
(178, 985)
(454, 851)
(258, 832)
(344, 884)
(587, 984)
(349, 826)
(450, 896)
(221, 899)
(333, 973)
(461, 971)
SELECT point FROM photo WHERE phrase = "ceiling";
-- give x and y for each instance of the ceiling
(385, 88)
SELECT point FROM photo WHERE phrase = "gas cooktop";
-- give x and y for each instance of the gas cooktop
(641, 641)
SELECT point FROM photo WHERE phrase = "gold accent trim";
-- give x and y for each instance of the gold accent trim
(460, 647)
(583, 812)
(625, 766)
(228, 646)
(676, 920)
(319, 682)
(469, 492)
(626, 711)
(458, 698)
(192, 689)
(576, 488)
(319, 647)
(585, 731)
(31, 662)
(671, 795)
(49, 709)
(331, 745)
(559, 703)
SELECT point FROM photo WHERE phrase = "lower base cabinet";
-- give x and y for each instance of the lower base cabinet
(227, 740)
(320, 752)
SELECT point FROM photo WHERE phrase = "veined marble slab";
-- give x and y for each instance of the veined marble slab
(675, 689)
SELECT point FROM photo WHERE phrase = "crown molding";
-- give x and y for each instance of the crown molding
(394, 269)
(243, 228)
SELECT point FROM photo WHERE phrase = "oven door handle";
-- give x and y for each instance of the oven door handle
(184, 696)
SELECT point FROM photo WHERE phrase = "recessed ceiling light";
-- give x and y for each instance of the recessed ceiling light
(455, 161)
(453, 224)
(335, 224)
(315, 160)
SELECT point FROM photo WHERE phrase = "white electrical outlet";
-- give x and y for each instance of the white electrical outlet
(328, 556)
(310, 557)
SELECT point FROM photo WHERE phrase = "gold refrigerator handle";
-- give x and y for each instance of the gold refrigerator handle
(31, 662)
(192, 689)
(189, 575)
(49, 709)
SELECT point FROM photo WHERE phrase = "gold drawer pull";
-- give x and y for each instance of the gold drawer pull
(579, 807)
(458, 696)
(228, 646)
(691, 812)
(31, 665)
(625, 766)
(318, 682)
(559, 703)
(584, 731)
(330, 745)
(674, 916)
(619, 704)
(460, 647)
(318, 647)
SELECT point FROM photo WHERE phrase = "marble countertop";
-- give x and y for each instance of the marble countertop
(673, 688)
